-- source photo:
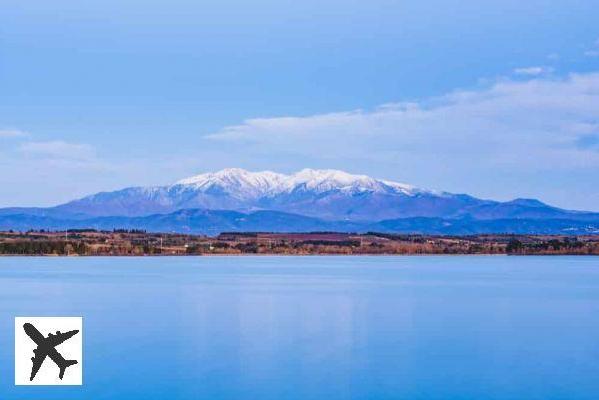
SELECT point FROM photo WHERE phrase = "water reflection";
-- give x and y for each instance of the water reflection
(315, 327)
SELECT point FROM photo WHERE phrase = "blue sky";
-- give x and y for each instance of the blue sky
(496, 99)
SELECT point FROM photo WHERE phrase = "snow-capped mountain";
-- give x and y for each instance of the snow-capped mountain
(235, 199)
(245, 184)
(237, 182)
(326, 194)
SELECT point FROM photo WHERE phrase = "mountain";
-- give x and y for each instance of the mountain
(212, 222)
(235, 199)
(325, 194)
(185, 221)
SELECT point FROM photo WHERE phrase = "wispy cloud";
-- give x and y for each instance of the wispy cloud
(58, 149)
(50, 172)
(535, 123)
(553, 56)
(10, 133)
(593, 51)
(533, 71)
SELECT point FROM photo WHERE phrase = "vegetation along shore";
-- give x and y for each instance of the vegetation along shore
(91, 242)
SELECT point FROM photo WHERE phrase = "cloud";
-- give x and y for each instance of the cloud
(533, 71)
(553, 56)
(59, 150)
(10, 133)
(536, 124)
(594, 51)
(44, 173)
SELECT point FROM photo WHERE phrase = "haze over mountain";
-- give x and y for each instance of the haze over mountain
(307, 200)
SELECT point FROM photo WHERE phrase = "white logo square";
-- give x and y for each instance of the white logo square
(48, 351)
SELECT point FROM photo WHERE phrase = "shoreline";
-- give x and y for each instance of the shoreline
(293, 255)
(89, 243)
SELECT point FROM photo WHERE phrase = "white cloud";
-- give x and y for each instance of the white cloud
(533, 71)
(531, 124)
(12, 133)
(59, 150)
(594, 51)
(553, 56)
(510, 138)
(44, 173)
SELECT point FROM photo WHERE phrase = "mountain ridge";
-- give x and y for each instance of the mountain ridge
(213, 222)
(326, 194)
(327, 197)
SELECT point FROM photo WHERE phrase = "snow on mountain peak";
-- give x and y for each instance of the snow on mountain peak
(237, 181)
(244, 183)
(330, 179)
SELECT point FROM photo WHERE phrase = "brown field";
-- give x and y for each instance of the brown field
(139, 243)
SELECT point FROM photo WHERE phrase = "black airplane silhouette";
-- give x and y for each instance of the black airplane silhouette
(46, 348)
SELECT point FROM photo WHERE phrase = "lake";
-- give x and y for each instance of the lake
(315, 327)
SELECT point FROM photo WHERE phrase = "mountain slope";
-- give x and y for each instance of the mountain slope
(326, 194)
(213, 222)
(309, 200)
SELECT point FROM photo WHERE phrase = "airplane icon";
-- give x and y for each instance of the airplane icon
(46, 347)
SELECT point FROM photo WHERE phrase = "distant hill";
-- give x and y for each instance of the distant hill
(213, 222)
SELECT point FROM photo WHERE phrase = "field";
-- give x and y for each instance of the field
(139, 243)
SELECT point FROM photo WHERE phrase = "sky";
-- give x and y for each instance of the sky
(497, 99)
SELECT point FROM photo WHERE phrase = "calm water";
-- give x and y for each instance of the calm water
(315, 327)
